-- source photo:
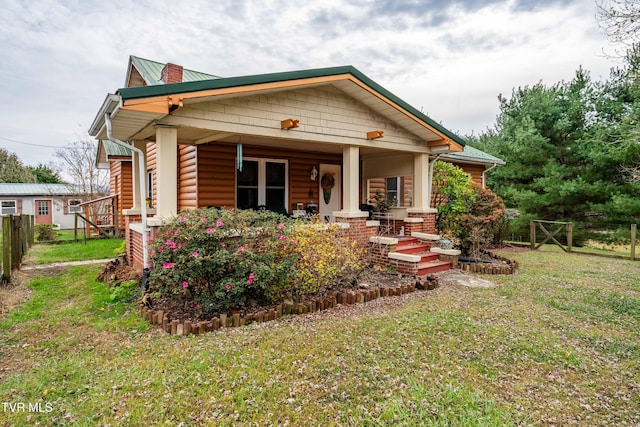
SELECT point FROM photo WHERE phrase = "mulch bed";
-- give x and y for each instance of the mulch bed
(372, 284)
(368, 282)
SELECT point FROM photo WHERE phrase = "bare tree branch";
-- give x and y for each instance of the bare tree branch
(78, 161)
(619, 20)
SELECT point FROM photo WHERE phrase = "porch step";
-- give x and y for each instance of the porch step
(416, 248)
(411, 245)
(429, 261)
(430, 267)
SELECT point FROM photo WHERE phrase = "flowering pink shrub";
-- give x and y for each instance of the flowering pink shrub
(246, 256)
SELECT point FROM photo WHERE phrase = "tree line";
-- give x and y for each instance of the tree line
(572, 149)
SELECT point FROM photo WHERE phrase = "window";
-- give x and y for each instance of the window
(393, 190)
(74, 205)
(43, 207)
(9, 207)
(262, 182)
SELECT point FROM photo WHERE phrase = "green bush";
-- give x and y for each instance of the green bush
(124, 291)
(452, 196)
(325, 256)
(120, 250)
(226, 259)
(223, 258)
(45, 233)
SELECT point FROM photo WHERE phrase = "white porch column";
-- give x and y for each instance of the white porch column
(166, 171)
(421, 182)
(351, 174)
(138, 199)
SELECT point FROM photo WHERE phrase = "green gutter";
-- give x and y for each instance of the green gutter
(230, 82)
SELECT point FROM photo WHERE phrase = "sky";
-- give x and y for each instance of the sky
(450, 59)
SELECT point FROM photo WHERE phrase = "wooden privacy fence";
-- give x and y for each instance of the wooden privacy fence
(17, 238)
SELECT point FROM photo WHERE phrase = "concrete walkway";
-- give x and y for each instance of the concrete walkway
(63, 264)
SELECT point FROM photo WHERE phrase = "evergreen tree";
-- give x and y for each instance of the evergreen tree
(45, 174)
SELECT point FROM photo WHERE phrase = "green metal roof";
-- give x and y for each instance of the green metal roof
(475, 155)
(152, 70)
(230, 82)
(113, 149)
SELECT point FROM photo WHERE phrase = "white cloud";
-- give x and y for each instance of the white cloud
(452, 59)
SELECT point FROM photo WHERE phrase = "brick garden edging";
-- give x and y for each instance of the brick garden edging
(510, 268)
(186, 327)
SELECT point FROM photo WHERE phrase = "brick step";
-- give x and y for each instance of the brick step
(412, 248)
(431, 267)
(407, 241)
(427, 256)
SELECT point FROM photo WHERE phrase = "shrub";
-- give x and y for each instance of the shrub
(452, 195)
(45, 233)
(484, 220)
(325, 256)
(120, 250)
(124, 291)
(223, 258)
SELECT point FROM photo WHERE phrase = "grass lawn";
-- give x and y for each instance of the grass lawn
(45, 253)
(556, 344)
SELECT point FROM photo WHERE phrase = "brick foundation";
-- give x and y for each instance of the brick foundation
(357, 229)
(380, 249)
(428, 224)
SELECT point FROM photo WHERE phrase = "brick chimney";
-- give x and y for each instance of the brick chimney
(171, 73)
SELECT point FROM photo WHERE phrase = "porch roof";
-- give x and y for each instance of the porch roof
(140, 106)
(108, 150)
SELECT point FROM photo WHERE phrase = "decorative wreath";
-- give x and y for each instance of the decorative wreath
(328, 181)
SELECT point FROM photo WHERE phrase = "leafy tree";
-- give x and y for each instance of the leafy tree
(12, 169)
(45, 174)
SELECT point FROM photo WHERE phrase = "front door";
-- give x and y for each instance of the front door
(330, 191)
(43, 212)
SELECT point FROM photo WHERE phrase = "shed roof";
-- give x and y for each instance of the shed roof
(29, 189)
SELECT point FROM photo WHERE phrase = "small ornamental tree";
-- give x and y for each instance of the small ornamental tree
(485, 220)
(223, 259)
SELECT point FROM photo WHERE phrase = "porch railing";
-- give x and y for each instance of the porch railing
(100, 217)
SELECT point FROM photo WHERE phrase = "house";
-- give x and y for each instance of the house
(54, 204)
(285, 141)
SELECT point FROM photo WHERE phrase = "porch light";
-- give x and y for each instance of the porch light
(375, 134)
(314, 173)
(289, 124)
